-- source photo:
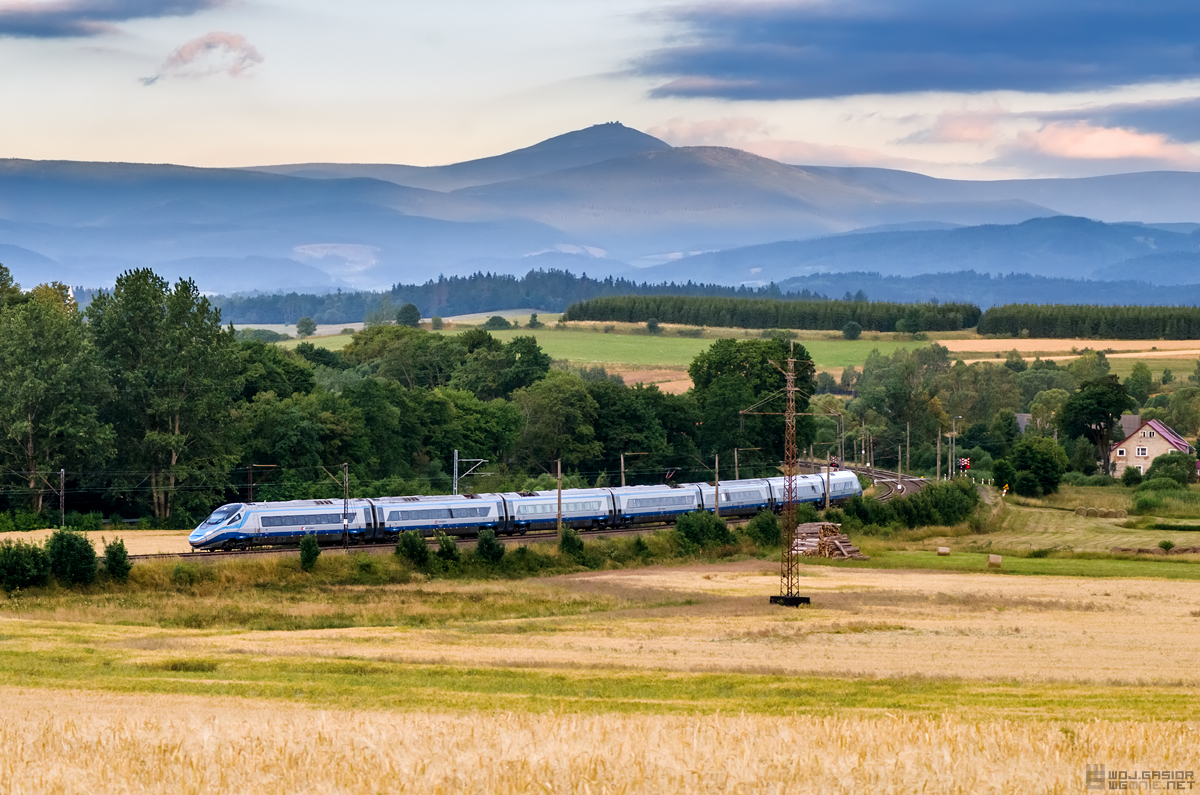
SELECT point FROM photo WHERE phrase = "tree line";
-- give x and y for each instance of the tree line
(550, 290)
(152, 407)
(764, 313)
(1091, 321)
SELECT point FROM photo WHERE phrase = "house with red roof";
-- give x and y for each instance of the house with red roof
(1146, 443)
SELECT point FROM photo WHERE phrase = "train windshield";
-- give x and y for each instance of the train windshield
(221, 514)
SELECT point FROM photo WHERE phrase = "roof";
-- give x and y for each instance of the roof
(1172, 438)
(1131, 424)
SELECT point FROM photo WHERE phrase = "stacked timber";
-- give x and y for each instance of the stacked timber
(825, 540)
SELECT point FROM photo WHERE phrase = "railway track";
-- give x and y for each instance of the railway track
(888, 485)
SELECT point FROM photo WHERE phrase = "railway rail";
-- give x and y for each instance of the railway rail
(888, 485)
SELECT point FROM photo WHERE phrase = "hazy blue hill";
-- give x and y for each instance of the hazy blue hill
(1151, 196)
(698, 198)
(570, 150)
(1170, 267)
(1060, 246)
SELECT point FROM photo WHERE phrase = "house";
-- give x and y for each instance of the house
(1146, 443)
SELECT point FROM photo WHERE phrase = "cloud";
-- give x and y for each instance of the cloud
(84, 18)
(959, 127)
(210, 54)
(1082, 140)
(729, 131)
(805, 49)
(1178, 119)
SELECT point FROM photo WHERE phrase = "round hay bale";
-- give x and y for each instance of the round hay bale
(1081, 511)
(1121, 513)
(1109, 513)
(1092, 513)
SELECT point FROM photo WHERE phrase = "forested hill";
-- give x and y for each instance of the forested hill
(548, 290)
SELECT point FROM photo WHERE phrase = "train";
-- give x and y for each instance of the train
(383, 519)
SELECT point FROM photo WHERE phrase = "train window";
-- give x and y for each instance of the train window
(661, 502)
(221, 514)
(464, 513)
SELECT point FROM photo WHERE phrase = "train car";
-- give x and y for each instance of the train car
(809, 488)
(844, 485)
(538, 510)
(245, 525)
(738, 497)
(642, 504)
(454, 515)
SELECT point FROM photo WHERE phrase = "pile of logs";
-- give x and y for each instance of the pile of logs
(825, 540)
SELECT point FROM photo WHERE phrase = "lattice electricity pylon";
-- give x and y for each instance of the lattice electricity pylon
(789, 566)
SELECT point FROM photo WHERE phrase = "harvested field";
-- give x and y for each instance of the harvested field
(1062, 346)
(137, 542)
(73, 741)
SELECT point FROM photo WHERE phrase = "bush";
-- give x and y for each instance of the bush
(436, 323)
(6, 523)
(534, 323)
(1166, 546)
(694, 333)
(116, 520)
(23, 565)
(1004, 473)
(116, 560)
(852, 330)
(1100, 480)
(408, 315)
(704, 530)
(28, 520)
(306, 327)
(489, 550)
(310, 550)
(147, 523)
(1026, 484)
(1178, 466)
(1159, 484)
(1131, 477)
(1072, 479)
(764, 529)
(187, 574)
(570, 542)
(495, 323)
(1147, 502)
(652, 325)
(447, 549)
(85, 522)
(412, 547)
(1043, 459)
(72, 558)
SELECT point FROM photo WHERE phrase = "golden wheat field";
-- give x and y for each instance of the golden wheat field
(79, 742)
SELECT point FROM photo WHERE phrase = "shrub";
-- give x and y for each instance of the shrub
(187, 574)
(448, 549)
(1041, 457)
(694, 333)
(1178, 466)
(570, 542)
(652, 325)
(146, 523)
(1159, 484)
(764, 529)
(116, 520)
(534, 322)
(412, 546)
(6, 523)
(310, 550)
(806, 512)
(23, 565)
(1071, 479)
(408, 315)
(1131, 477)
(641, 548)
(306, 327)
(1100, 480)
(704, 530)
(1166, 546)
(85, 522)
(852, 330)
(489, 550)
(1004, 473)
(116, 560)
(72, 558)
(436, 323)
(28, 520)
(1027, 485)
(1147, 502)
(495, 323)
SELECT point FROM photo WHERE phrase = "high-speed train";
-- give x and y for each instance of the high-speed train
(253, 524)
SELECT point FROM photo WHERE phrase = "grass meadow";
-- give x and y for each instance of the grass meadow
(910, 672)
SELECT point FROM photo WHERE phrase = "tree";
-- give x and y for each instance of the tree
(10, 291)
(534, 323)
(652, 325)
(408, 315)
(1176, 465)
(1041, 457)
(852, 330)
(1004, 474)
(176, 375)
(1046, 407)
(1167, 376)
(306, 327)
(1138, 383)
(559, 418)
(1016, 362)
(495, 323)
(53, 384)
(1003, 433)
(1094, 411)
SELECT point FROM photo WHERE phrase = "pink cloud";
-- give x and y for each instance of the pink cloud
(959, 127)
(1081, 140)
(729, 131)
(210, 54)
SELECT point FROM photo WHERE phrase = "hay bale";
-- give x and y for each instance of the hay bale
(1092, 513)
(943, 551)
(1121, 513)
(993, 561)
(1110, 514)
(1081, 511)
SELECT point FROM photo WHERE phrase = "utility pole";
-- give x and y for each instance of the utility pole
(908, 446)
(736, 473)
(717, 482)
(346, 505)
(827, 468)
(560, 495)
(455, 491)
(478, 462)
(937, 467)
(62, 498)
(250, 482)
(622, 470)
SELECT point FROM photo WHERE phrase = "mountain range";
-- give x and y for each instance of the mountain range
(606, 200)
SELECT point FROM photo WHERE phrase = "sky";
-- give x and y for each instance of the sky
(1016, 88)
